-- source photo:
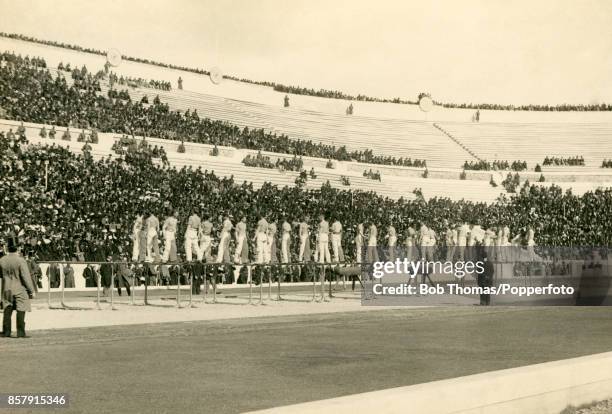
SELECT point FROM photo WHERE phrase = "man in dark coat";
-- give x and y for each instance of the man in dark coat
(197, 270)
(53, 274)
(91, 278)
(485, 279)
(123, 276)
(68, 276)
(17, 289)
(35, 273)
(106, 275)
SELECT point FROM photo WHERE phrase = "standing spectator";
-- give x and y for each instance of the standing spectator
(17, 289)
(169, 232)
(323, 240)
(68, 276)
(485, 279)
(106, 275)
(286, 101)
(123, 276)
(180, 83)
(90, 275)
(35, 272)
(152, 226)
(53, 275)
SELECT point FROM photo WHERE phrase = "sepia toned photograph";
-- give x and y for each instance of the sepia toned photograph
(306, 206)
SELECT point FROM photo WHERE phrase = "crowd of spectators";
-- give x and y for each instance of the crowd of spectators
(113, 79)
(606, 163)
(497, 165)
(372, 175)
(324, 92)
(27, 92)
(282, 164)
(511, 182)
(89, 205)
(132, 147)
(564, 161)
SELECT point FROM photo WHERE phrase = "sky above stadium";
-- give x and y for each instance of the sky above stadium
(494, 51)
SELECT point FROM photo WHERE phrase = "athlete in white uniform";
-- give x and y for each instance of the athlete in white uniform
(391, 243)
(223, 253)
(372, 252)
(304, 240)
(241, 255)
(323, 241)
(261, 240)
(191, 237)
(359, 239)
(136, 229)
(462, 237)
(169, 231)
(205, 250)
(152, 224)
(336, 239)
(286, 242)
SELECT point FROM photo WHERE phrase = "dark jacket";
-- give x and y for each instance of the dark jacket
(17, 286)
(106, 273)
(53, 273)
(91, 278)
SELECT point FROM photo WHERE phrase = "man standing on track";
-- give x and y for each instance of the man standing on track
(223, 254)
(152, 224)
(17, 289)
(451, 242)
(372, 251)
(191, 237)
(241, 255)
(462, 236)
(286, 242)
(261, 239)
(169, 231)
(323, 240)
(336, 240)
(304, 233)
(205, 251)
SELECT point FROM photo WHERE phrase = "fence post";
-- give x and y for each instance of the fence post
(205, 282)
(278, 292)
(133, 290)
(98, 277)
(112, 286)
(190, 271)
(270, 282)
(49, 288)
(250, 277)
(330, 283)
(215, 270)
(178, 287)
(146, 283)
(260, 286)
(314, 287)
(63, 282)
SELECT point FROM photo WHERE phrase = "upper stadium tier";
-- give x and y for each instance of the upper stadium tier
(445, 138)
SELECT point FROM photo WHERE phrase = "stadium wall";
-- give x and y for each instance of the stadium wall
(546, 388)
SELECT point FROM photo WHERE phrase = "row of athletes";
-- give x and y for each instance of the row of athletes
(198, 240)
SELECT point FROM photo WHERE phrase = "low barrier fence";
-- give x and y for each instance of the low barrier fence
(190, 276)
(119, 275)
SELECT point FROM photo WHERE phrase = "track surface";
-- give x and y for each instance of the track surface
(245, 364)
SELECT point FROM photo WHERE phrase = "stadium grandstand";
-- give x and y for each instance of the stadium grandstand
(97, 149)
